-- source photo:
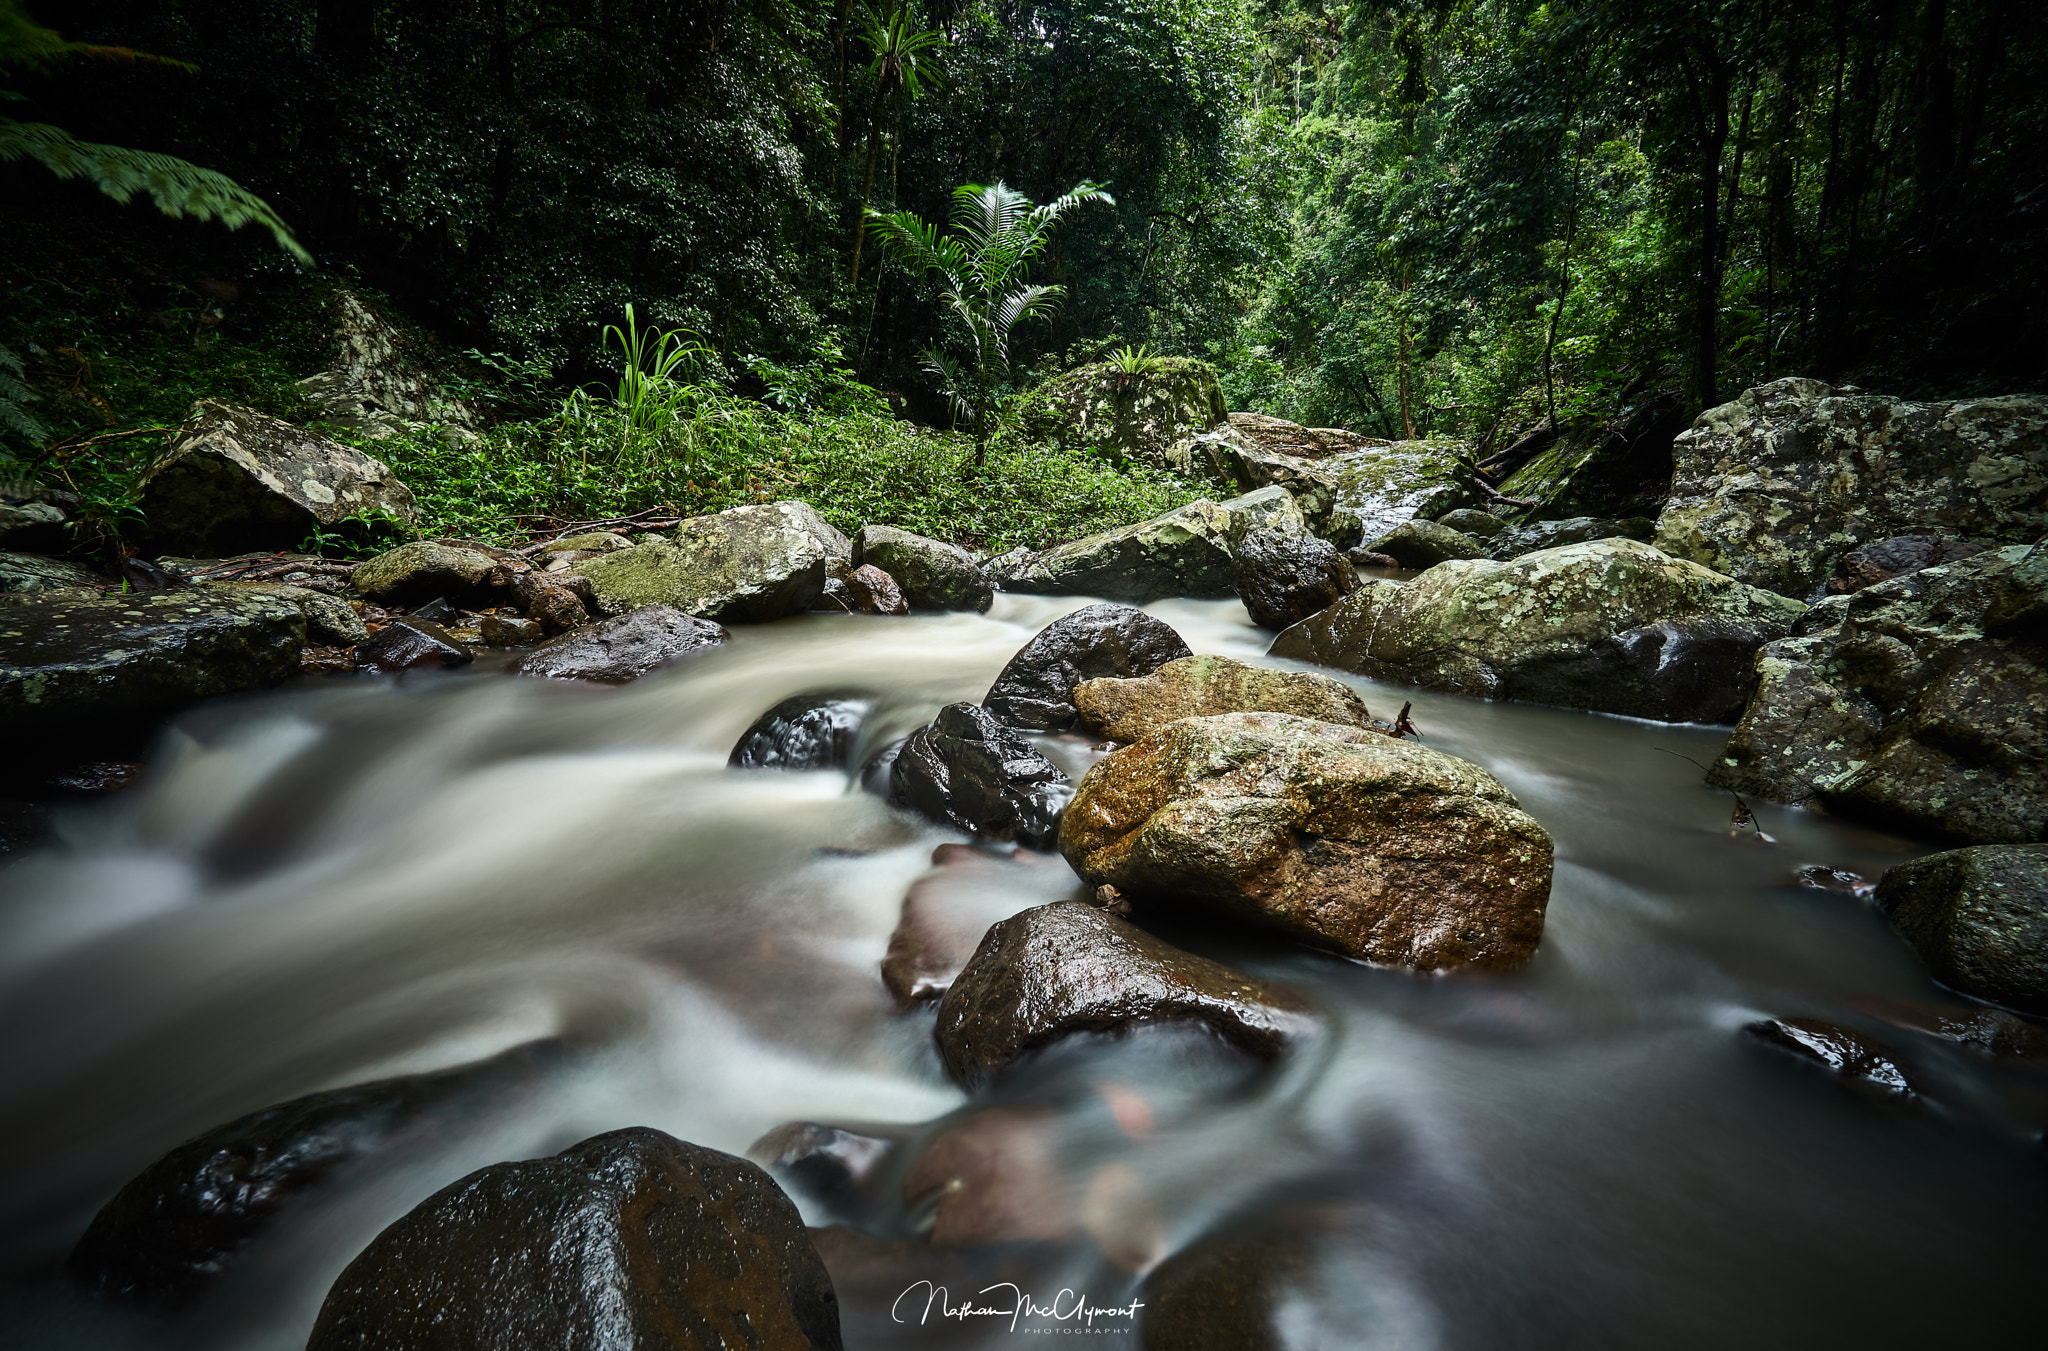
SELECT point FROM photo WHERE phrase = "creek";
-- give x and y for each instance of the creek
(360, 878)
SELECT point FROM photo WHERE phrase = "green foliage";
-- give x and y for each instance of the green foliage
(1131, 362)
(16, 421)
(649, 387)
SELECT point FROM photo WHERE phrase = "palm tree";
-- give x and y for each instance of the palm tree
(986, 266)
(904, 63)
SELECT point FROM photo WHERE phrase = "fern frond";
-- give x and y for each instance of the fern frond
(14, 392)
(179, 188)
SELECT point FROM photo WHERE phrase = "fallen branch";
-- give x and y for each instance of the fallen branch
(1496, 496)
(1743, 816)
(107, 436)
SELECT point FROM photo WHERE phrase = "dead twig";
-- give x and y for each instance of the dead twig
(107, 436)
(1401, 725)
(1742, 816)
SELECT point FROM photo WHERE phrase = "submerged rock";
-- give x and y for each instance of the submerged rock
(409, 642)
(630, 1239)
(1774, 486)
(948, 910)
(1611, 625)
(1849, 1056)
(1424, 544)
(624, 647)
(1889, 558)
(996, 1177)
(1925, 709)
(748, 565)
(1978, 918)
(1186, 552)
(1379, 848)
(1285, 578)
(1127, 710)
(236, 479)
(423, 570)
(813, 730)
(1065, 968)
(967, 770)
(1035, 689)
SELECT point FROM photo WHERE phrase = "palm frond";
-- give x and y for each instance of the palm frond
(919, 245)
(952, 381)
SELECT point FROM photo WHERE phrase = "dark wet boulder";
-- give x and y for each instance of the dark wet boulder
(1473, 522)
(1127, 710)
(1065, 968)
(407, 643)
(948, 910)
(934, 575)
(1851, 1057)
(22, 573)
(748, 565)
(966, 770)
(1036, 688)
(1539, 535)
(863, 590)
(424, 570)
(1978, 918)
(1233, 1292)
(184, 1222)
(1284, 578)
(236, 479)
(1896, 557)
(1424, 544)
(1348, 838)
(508, 630)
(813, 730)
(630, 1239)
(624, 647)
(1186, 552)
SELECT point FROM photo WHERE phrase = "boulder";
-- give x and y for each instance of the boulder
(183, 1223)
(424, 570)
(1268, 510)
(1925, 709)
(813, 730)
(330, 620)
(1854, 1059)
(967, 770)
(380, 381)
(624, 647)
(1130, 709)
(1186, 552)
(1139, 418)
(504, 630)
(409, 642)
(1277, 436)
(21, 574)
(1775, 486)
(946, 912)
(1401, 481)
(1035, 689)
(1979, 919)
(1424, 544)
(1540, 535)
(1241, 1289)
(630, 1239)
(1613, 626)
(1471, 521)
(863, 590)
(748, 565)
(31, 526)
(235, 479)
(143, 653)
(1284, 578)
(1066, 967)
(553, 600)
(1889, 558)
(1379, 848)
(1618, 468)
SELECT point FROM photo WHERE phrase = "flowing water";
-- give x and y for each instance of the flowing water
(362, 878)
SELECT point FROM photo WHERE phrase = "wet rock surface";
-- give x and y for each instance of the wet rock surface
(1849, 1056)
(863, 590)
(1775, 486)
(967, 770)
(424, 570)
(995, 1176)
(1127, 710)
(233, 479)
(827, 1166)
(1284, 578)
(632, 1238)
(1035, 689)
(1381, 849)
(1066, 968)
(1424, 544)
(1979, 918)
(24, 573)
(1473, 522)
(330, 620)
(624, 647)
(1889, 558)
(504, 630)
(1539, 535)
(1230, 1293)
(555, 601)
(948, 910)
(1611, 625)
(748, 565)
(934, 575)
(1186, 552)
(813, 730)
(409, 642)
(1925, 709)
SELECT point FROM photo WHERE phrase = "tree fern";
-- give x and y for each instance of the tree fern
(14, 392)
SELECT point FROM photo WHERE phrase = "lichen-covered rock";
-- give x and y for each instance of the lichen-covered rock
(1621, 468)
(624, 647)
(1775, 486)
(1355, 488)
(1540, 535)
(1186, 552)
(1889, 558)
(1978, 918)
(21, 574)
(330, 620)
(1382, 849)
(1612, 625)
(1424, 544)
(143, 653)
(632, 1239)
(1400, 481)
(1283, 577)
(1127, 710)
(1035, 688)
(1926, 709)
(1474, 522)
(1141, 417)
(235, 479)
(423, 570)
(748, 565)
(379, 382)
(1277, 436)
(934, 575)
(967, 770)
(1065, 968)
(1271, 510)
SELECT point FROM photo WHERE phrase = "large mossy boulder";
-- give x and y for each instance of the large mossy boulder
(235, 479)
(630, 1239)
(1775, 486)
(1035, 688)
(748, 565)
(933, 575)
(1186, 552)
(1424, 544)
(1132, 708)
(1140, 417)
(1978, 918)
(1355, 489)
(1613, 625)
(1925, 708)
(1381, 849)
(424, 570)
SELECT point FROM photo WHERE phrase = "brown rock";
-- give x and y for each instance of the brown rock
(328, 661)
(947, 911)
(1889, 558)
(1196, 687)
(1382, 849)
(866, 589)
(551, 600)
(996, 1178)
(502, 630)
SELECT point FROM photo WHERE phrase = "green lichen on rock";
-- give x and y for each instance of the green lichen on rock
(1141, 417)
(934, 575)
(25, 573)
(1128, 709)
(1186, 552)
(747, 565)
(421, 571)
(1978, 918)
(1424, 544)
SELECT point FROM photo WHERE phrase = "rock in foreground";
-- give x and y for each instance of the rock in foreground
(1198, 687)
(630, 1239)
(1978, 918)
(1284, 578)
(1035, 689)
(624, 647)
(1381, 849)
(748, 565)
(1065, 968)
(967, 770)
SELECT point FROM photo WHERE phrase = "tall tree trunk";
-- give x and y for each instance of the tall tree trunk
(1401, 359)
(1713, 133)
(867, 193)
(1564, 287)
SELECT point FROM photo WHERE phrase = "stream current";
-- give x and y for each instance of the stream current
(354, 879)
